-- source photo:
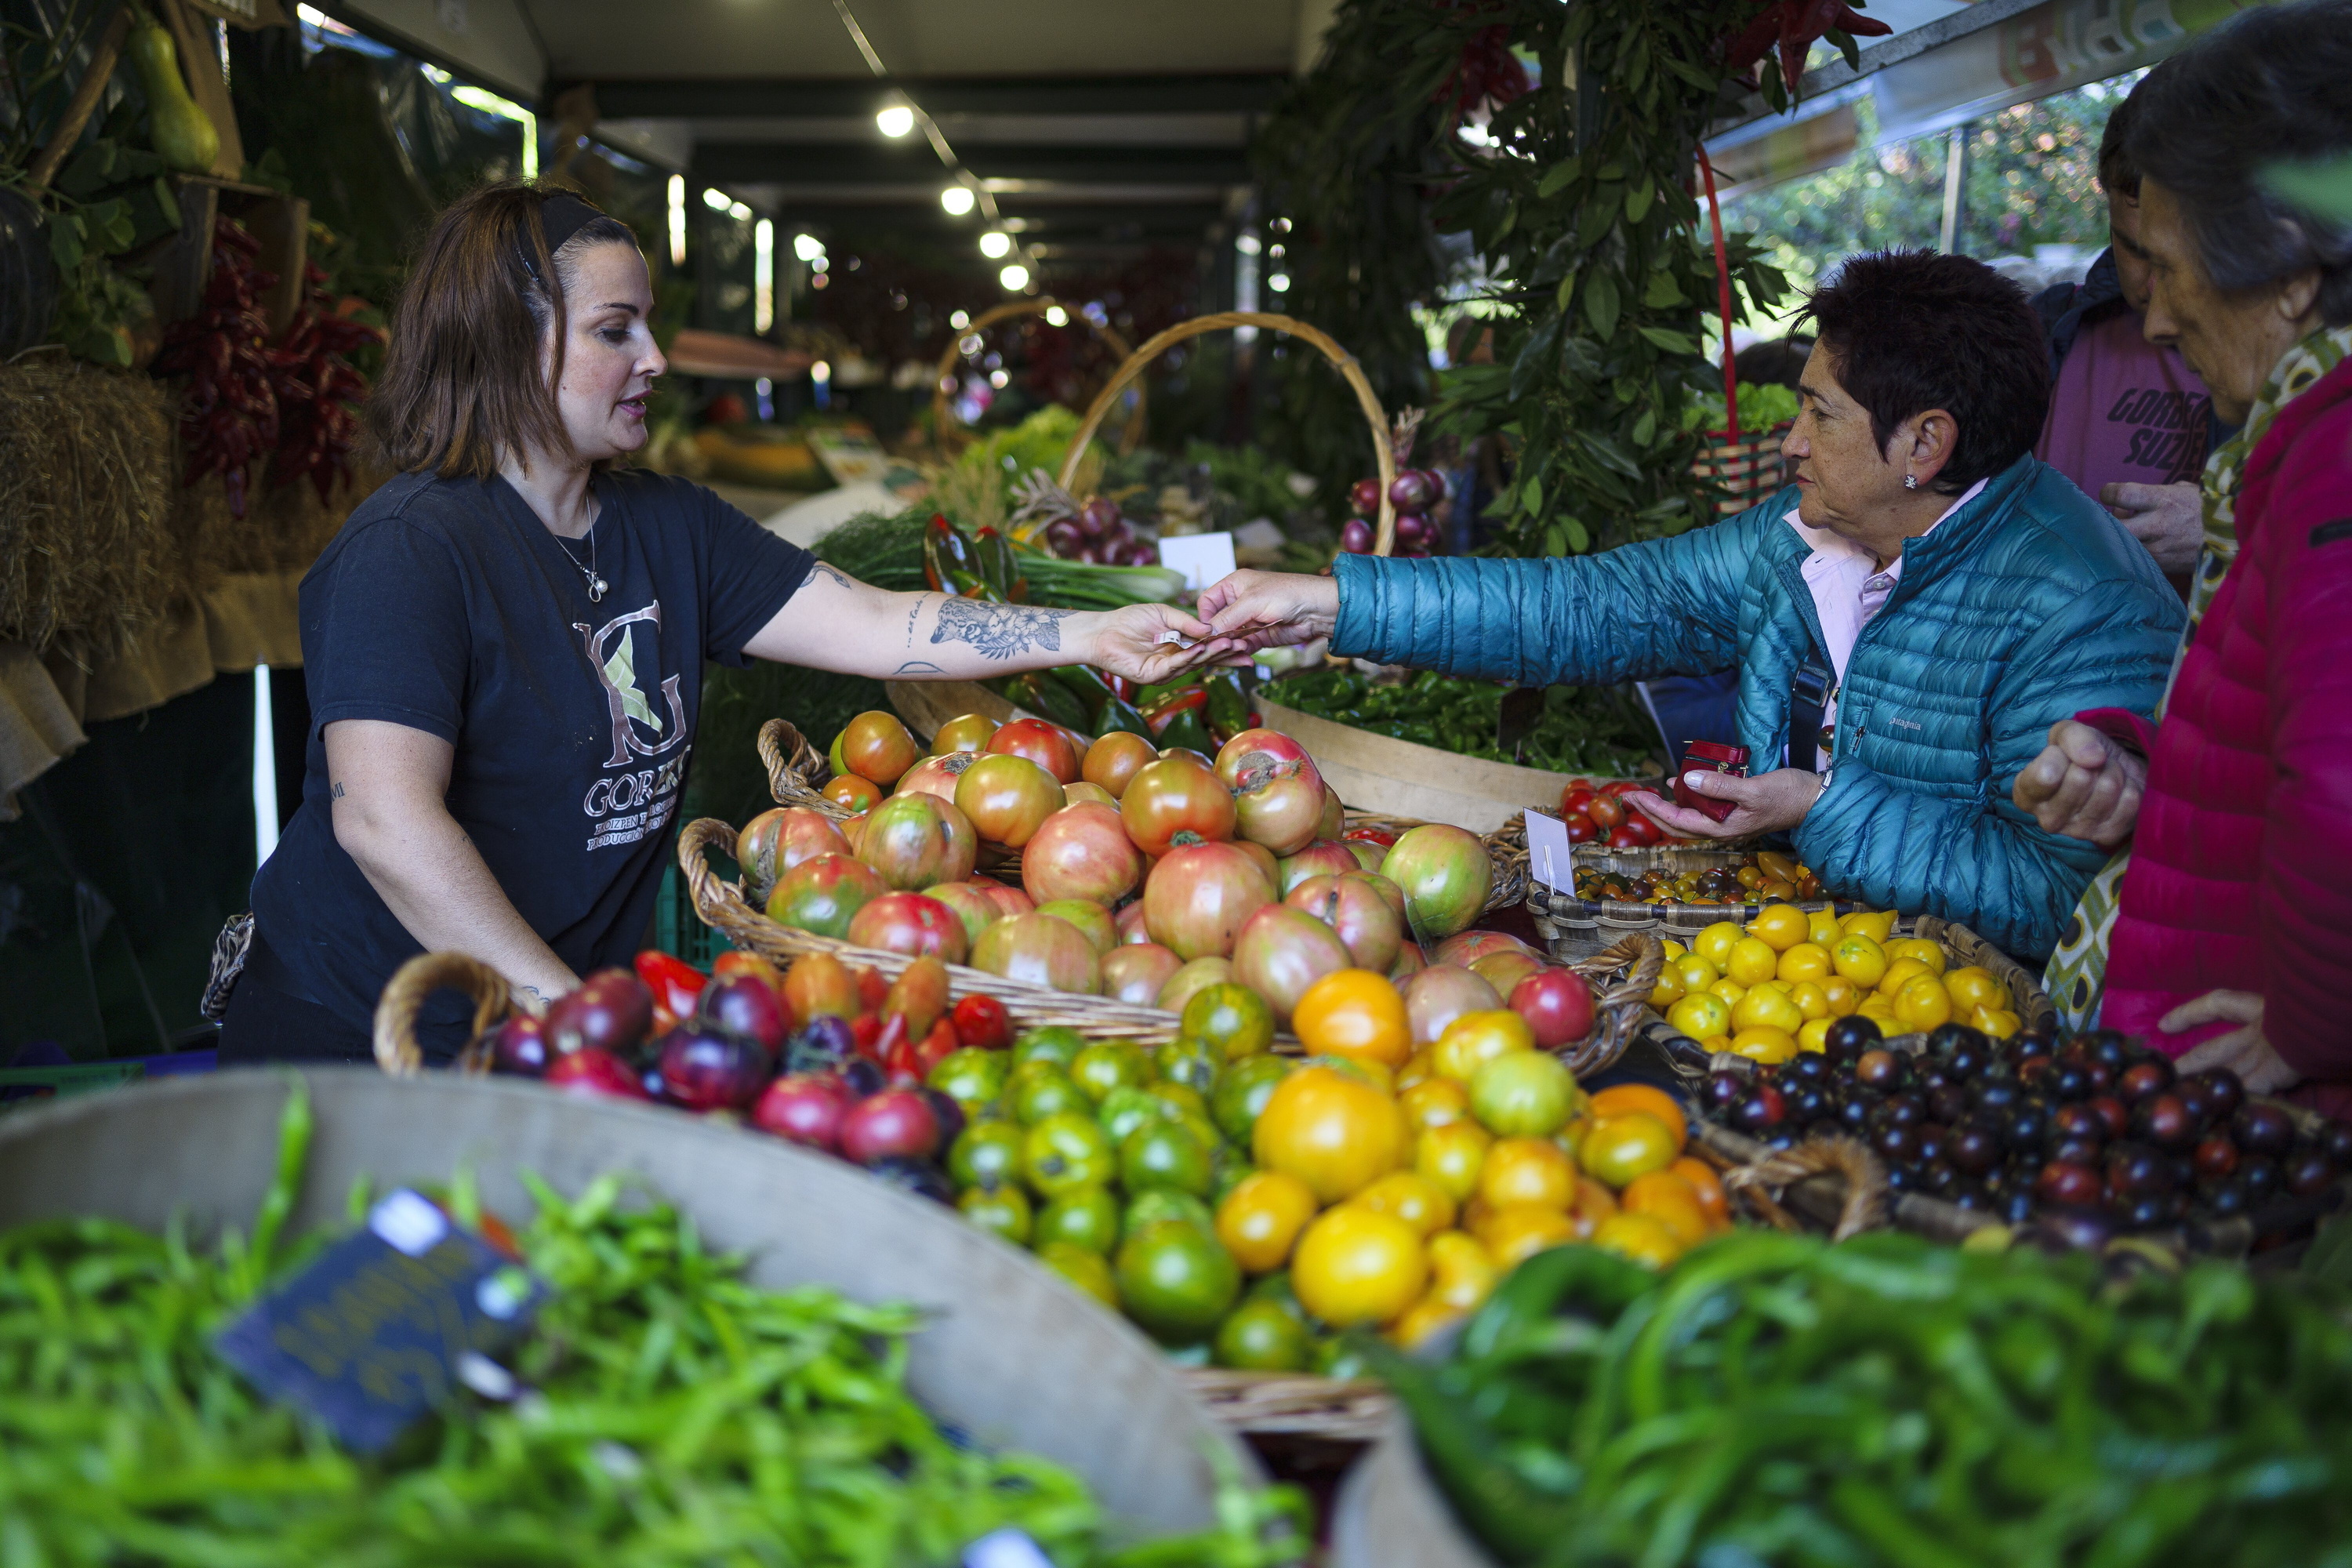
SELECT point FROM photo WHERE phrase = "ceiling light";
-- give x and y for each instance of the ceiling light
(998, 379)
(820, 372)
(807, 247)
(716, 201)
(1279, 282)
(739, 212)
(995, 242)
(677, 220)
(956, 200)
(894, 120)
(1057, 316)
(959, 319)
(1247, 243)
(1015, 276)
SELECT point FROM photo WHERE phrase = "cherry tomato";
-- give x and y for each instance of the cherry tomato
(1619, 788)
(864, 1031)
(1623, 836)
(1644, 830)
(1580, 828)
(1606, 811)
(872, 989)
(981, 1022)
(1575, 798)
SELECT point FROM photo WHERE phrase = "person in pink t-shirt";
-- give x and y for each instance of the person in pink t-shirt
(2129, 422)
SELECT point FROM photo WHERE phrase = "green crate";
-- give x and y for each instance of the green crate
(679, 931)
(70, 1079)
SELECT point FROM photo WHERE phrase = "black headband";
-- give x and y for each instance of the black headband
(561, 216)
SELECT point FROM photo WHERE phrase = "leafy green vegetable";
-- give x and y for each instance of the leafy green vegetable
(1775, 1399)
(1584, 730)
(1761, 408)
(678, 1414)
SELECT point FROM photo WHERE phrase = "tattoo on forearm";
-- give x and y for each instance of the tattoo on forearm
(999, 631)
(919, 667)
(339, 792)
(912, 611)
(821, 570)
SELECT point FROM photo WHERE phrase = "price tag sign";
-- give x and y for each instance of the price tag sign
(1548, 859)
(1203, 558)
(385, 1323)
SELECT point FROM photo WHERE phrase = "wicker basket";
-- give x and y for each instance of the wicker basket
(943, 423)
(1749, 467)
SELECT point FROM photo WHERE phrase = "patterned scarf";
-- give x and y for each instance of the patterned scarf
(2077, 973)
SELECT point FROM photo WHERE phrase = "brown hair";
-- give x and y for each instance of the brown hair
(461, 380)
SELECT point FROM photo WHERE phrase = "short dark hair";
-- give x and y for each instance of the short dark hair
(1912, 329)
(461, 378)
(2119, 176)
(2272, 85)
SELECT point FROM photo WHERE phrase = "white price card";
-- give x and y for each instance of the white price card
(1203, 558)
(1548, 859)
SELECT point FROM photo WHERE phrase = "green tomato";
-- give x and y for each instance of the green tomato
(985, 1154)
(1230, 1018)
(1066, 1150)
(1081, 1216)
(1108, 1065)
(1261, 1336)
(1165, 1203)
(1056, 1042)
(1047, 1091)
(1004, 1210)
(1165, 1154)
(1089, 1271)
(970, 1078)
(1125, 1109)
(1187, 1062)
(1242, 1092)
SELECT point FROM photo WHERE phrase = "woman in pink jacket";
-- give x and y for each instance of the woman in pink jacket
(2223, 932)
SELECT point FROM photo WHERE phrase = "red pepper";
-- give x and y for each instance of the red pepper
(934, 1048)
(894, 1050)
(676, 983)
(1160, 713)
(981, 1022)
(864, 1031)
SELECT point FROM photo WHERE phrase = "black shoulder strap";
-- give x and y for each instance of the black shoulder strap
(1809, 690)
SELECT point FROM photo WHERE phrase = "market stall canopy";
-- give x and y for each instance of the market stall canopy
(1097, 130)
(1949, 61)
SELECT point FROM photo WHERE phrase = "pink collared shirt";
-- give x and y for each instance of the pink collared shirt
(1849, 587)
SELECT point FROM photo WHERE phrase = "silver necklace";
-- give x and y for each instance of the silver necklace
(588, 570)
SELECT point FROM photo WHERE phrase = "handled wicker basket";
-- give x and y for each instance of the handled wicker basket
(942, 374)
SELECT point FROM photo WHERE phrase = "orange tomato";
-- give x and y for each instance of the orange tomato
(849, 790)
(1528, 1171)
(1335, 1133)
(1622, 1147)
(1709, 1187)
(1452, 1155)
(1416, 1069)
(1410, 1197)
(1642, 1237)
(1356, 1013)
(1462, 1274)
(1260, 1219)
(1647, 1099)
(1433, 1102)
(1594, 1203)
(1667, 1198)
(1513, 1232)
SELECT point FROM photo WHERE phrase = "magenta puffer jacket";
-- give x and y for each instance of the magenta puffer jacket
(2241, 875)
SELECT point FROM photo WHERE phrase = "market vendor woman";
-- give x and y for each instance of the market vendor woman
(505, 644)
(1936, 595)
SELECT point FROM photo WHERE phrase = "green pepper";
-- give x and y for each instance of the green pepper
(999, 568)
(1228, 704)
(1186, 729)
(1116, 713)
(1085, 685)
(1048, 698)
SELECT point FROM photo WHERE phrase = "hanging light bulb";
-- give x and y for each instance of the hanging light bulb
(956, 200)
(894, 120)
(1015, 278)
(995, 244)
(807, 247)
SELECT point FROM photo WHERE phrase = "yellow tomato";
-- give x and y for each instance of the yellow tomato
(1695, 973)
(1514, 1234)
(1667, 1197)
(1821, 930)
(1815, 1034)
(1877, 925)
(1410, 1197)
(1708, 1189)
(1433, 1102)
(1474, 1039)
(1762, 1043)
(1730, 991)
(1642, 1237)
(1528, 1171)
(1842, 995)
(1752, 958)
(1900, 973)
(1673, 948)
(1356, 1013)
(1260, 1219)
(1806, 961)
(1859, 959)
(1767, 1006)
(1923, 1004)
(1975, 986)
(1811, 1000)
(1700, 1013)
(1647, 1099)
(1928, 953)
(1879, 1011)
(1668, 991)
(1452, 1157)
(1627, 1145)
(1785, 988)
(1780, 926)
(1422, 1322)
(1998, 1022)
(1715, 944)
(1335, 1133)
(1416, 1069)
(1714, 1043)
(1462, 1271)
(1355, 1266)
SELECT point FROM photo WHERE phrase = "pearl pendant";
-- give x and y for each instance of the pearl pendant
(596, 592)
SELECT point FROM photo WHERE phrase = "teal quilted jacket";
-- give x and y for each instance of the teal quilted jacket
(2027, 605)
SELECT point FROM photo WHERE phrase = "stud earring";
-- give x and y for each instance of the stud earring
(1910, 481)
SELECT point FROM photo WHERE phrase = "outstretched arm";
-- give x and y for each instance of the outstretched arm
(835, 622)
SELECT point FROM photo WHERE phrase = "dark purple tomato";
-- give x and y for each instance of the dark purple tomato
(1946, 1038)
(2135, 1171)
(2163, 1120)
(1931, 1136)
(2144, 1079)
(2229, 1091)
(2226, 1199)
(2078, 1121)
(2072, 1230)
(2259, 1173)
(1900, 1111)
(1973, 1148)
(1936, 1176)
(2216, 1158)
(703, 1069)
(2069, 1080)
(2111, 1112)
(1965, 1061)
(897, 1124)
(2148, 1213)
(1972, 1199)
(2034, 1072)
(2027, 1131)
(2102, 1075)
(520, 1046)
(2336, 1142)
(2264, 1128)
(1760, 1110)
(863, 1078)
(2077, 1150)
(947, 1113)
(1995, 1098)
(1855, 1113)
(1807, 1103)
(2196, 1095)
(918, 1177)
(610, 1011)
(1878, 1069)
(748, 1005)
(2108, 1048)
(1851, 1036)
(2307, 1172)
(1724, 1089)
(1901, 1178)
(1947, 1104)
(1808, 1067)
(824, 1043)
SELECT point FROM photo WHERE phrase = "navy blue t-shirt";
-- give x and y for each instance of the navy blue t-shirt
(446, 605)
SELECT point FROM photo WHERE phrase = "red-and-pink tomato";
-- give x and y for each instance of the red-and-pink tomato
(1138, 971)
(1445, 875)
(912, 923)
(1007, 798)
(1281, 952)
(1081, 852)
(1198, 897)
(1039, 950)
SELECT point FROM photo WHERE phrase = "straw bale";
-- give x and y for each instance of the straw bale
(85, 548)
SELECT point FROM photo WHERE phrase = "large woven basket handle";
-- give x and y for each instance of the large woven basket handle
(397, 1051)
(943, 422)
(715, 899)
(796, 771)
(1384, 539)
(1618, 1005)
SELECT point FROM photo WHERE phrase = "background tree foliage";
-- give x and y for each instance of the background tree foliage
(1579, 203)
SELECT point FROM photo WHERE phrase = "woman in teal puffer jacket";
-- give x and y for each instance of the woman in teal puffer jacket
(1946, 597)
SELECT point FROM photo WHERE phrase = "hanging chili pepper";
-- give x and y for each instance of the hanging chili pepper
(949, 563)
